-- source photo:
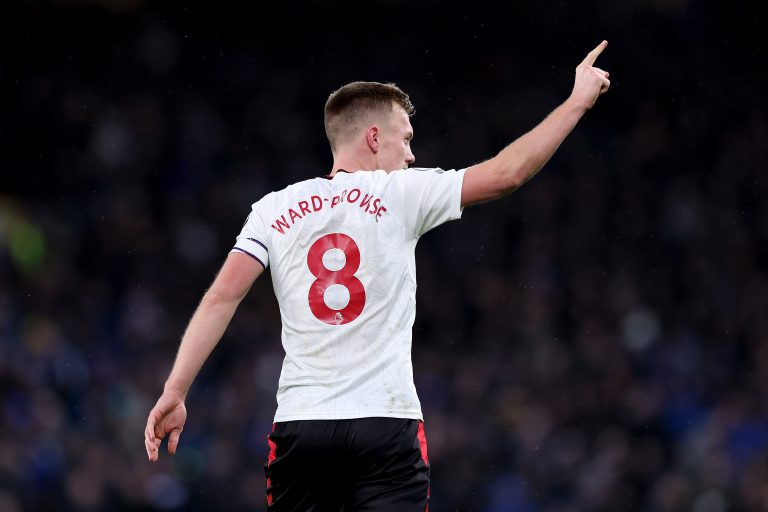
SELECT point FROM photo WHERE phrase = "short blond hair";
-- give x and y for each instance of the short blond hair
(349, 105)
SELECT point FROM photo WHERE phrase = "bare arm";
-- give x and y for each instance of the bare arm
(521, 160)
(204, 331)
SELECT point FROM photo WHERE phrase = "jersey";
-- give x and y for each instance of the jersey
(341, 252)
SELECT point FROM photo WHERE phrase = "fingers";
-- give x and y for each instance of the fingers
(173, 440)
(152, 444)
(149, 436)
(604, 82)
(151, 440)
(167, 417)
(152, 449)
(592, 56)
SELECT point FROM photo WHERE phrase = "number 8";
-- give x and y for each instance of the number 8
(345, 276)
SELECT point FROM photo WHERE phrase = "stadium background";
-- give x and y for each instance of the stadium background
(597, 341)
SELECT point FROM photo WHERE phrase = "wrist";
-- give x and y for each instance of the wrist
(176, 388)
(576, 104)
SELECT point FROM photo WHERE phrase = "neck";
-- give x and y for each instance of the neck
(352, 162)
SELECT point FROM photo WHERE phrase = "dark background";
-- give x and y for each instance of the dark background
(596, 341)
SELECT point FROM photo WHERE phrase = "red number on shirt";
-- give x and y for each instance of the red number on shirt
(345, 276)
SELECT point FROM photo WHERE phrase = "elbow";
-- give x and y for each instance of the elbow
(491, 180)
(215, 296)
(507, 178)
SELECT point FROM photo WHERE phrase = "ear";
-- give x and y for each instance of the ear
(372, 138)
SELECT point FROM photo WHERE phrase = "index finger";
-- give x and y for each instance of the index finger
(592, 56)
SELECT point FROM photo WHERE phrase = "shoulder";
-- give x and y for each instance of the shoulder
(436, 170)
(417, 172)
(291, 190)
(301, 186)
(370, 176)
(417, 175)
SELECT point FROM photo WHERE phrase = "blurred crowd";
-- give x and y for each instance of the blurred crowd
(596, 341)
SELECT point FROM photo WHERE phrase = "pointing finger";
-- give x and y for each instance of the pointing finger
(592, 56)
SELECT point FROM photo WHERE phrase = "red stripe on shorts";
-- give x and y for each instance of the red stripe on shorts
(423, 446)
(423, 443)
(272, 451)
(270, 458)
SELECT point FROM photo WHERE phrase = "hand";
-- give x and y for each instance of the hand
(590, 81)
(167, 417)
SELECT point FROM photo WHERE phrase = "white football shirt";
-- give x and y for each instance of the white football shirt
(341, 254)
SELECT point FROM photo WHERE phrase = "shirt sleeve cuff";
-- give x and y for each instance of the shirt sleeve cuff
(253, 248)
(456, 208)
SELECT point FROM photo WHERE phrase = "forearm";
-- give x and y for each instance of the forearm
(523, 158)
(204, 331)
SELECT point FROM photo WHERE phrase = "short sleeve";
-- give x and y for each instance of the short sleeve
(252, 239)
(427, 197)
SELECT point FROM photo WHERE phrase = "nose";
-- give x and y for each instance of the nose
(409, 158)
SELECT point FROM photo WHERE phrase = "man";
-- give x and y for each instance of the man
(348, 431)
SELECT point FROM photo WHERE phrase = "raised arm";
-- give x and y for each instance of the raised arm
(523, 158)
(204, 331)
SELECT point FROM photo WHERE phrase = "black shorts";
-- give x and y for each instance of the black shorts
(366, 464)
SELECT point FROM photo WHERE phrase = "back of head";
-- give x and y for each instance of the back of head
(354, 105)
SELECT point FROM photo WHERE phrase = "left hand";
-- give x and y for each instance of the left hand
(590, 81)
(166, 417)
